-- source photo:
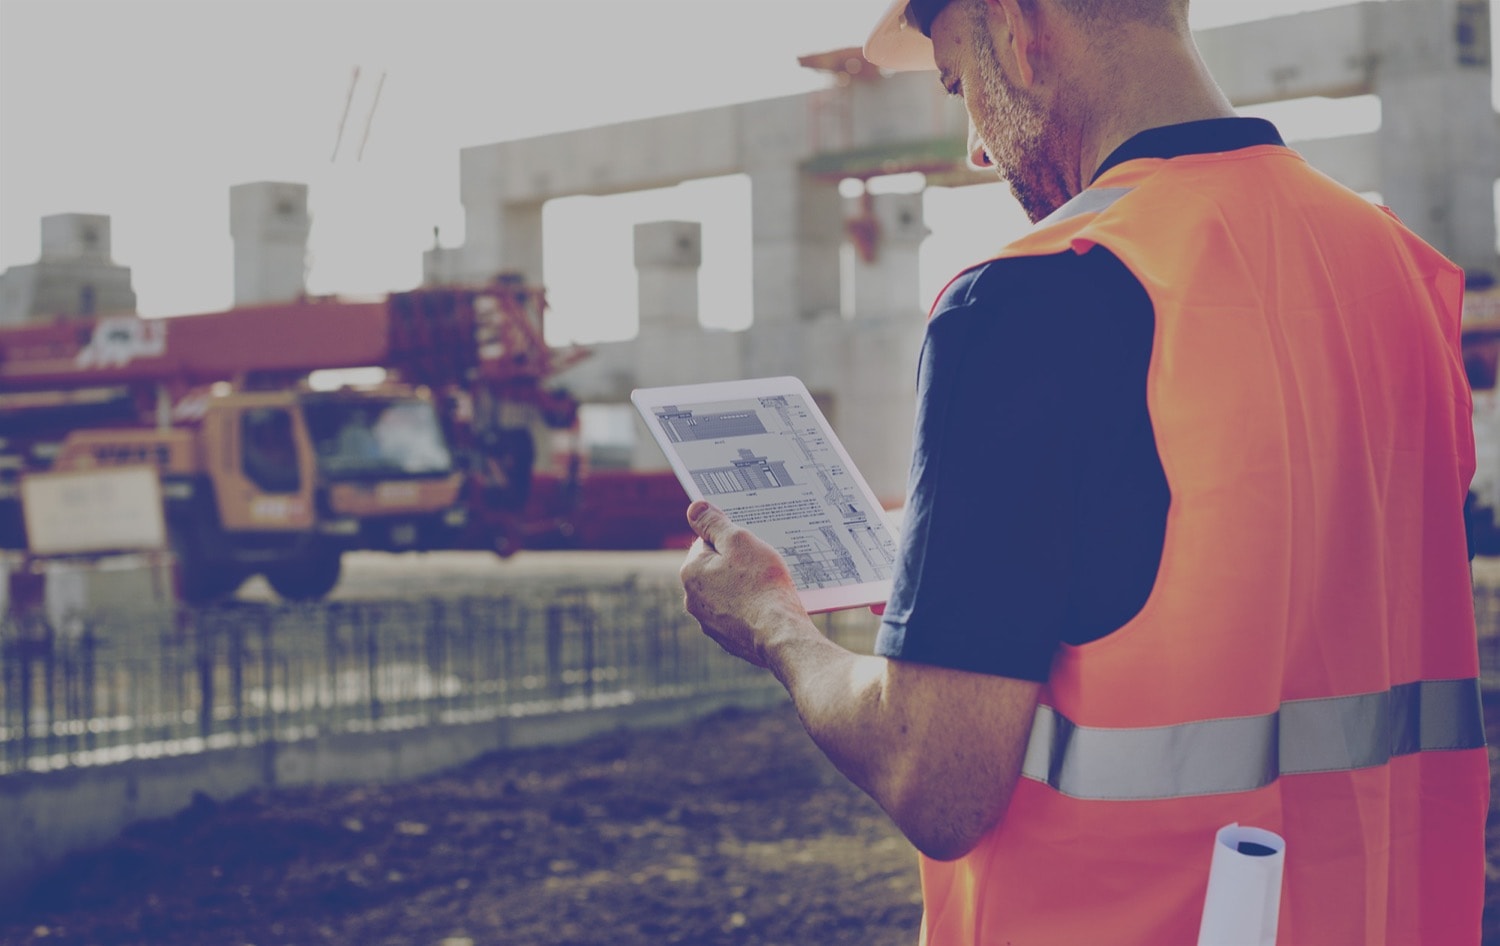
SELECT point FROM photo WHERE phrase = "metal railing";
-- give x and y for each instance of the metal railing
(113, 686)
(116, 685)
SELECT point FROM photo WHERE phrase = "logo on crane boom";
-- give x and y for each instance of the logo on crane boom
(120, 339)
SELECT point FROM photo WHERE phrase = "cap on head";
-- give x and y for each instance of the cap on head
(899, 41)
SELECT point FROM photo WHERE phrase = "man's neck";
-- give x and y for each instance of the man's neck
(1162, 81)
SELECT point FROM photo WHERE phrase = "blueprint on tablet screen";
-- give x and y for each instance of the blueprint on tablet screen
(768, 464)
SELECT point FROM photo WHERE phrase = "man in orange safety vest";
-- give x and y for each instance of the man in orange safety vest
(1184, 540)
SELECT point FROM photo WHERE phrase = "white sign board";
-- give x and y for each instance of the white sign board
(117, 509)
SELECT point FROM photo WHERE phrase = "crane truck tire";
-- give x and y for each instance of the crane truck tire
(307, 577)
(201, 577)
(1484, 537)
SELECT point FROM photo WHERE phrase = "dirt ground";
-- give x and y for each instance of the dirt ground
(731, 831)
(734, 830)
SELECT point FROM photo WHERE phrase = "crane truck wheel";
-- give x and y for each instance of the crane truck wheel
(202, 582)
(306, 578)
(201, 579)
(1479, 521)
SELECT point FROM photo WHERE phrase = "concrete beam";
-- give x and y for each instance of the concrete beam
(1325, 52)
(659, 152)
(610, 159)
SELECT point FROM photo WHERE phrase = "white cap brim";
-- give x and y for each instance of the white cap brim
(897, 45)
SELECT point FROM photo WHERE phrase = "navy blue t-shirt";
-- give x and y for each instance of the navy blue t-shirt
(1037, 504)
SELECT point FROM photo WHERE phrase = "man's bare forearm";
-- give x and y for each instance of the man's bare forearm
(840, 697)
(938, 749)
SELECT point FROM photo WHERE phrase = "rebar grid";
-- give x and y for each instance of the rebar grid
(113, 686)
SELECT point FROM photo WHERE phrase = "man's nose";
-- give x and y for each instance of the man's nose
(979, 159)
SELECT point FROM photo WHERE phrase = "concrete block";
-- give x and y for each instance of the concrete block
(76, 236)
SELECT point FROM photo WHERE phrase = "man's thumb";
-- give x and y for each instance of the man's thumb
(707, 520)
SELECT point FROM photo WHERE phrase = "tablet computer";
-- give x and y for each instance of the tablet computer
(762, 451)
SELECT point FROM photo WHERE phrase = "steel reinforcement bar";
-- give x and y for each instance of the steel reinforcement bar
(114, 686)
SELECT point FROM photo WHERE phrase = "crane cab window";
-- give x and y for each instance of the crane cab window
(270, 450)
(377, 438)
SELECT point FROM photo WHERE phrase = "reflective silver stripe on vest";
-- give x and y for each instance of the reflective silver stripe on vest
(1215, 756)
(1089, 201)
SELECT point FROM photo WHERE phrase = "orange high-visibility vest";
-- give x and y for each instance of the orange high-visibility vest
(1306, 661)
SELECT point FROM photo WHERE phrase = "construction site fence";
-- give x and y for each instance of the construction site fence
(113, 686)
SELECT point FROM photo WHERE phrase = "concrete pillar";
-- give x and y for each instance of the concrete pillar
(503, 238)
(269, 223)
(1439, 143)
(878, 394)
(668, 347)
(667, 256)
(887, 285)
(796, 233)
(881, 404)
(75, 275)
(443, 266)
(76, 237)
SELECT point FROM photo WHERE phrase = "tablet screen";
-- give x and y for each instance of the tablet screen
(762, 452)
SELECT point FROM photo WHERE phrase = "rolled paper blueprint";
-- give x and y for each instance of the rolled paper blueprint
(1244, 888)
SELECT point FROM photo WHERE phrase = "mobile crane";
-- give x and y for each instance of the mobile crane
(259, 472)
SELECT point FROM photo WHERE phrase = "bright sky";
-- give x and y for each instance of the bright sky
(149, 110)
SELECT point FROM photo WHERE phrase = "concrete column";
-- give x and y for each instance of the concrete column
(668, 347)
(796, 233)
(881, 404)
(878, 394)
(887, 285)
(1439, 143)
(672, 346)
(76, 237)
(443, 266)
(667, 256)
(503, 238)
(269, 223)
(75, 275)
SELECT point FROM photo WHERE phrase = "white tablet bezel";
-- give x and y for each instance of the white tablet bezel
(646, 400)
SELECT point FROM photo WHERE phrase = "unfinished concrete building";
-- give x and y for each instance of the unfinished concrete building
(1434, 161)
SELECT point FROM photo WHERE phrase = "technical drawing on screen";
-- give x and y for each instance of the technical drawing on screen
(763, 452)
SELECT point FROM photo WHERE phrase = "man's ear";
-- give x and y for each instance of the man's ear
(979, 158)
(1023, 35)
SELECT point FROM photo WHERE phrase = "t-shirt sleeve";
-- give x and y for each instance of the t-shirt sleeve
(983, 577)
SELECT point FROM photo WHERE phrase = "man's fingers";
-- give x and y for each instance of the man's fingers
(709, 522)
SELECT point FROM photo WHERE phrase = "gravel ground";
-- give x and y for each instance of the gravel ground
(734, 830)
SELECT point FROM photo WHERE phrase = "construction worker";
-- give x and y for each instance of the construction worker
(1184, 541)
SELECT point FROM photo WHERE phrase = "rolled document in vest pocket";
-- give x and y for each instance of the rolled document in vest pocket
(1244, 888)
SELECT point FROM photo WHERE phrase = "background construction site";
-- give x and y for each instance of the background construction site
(355, 620)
